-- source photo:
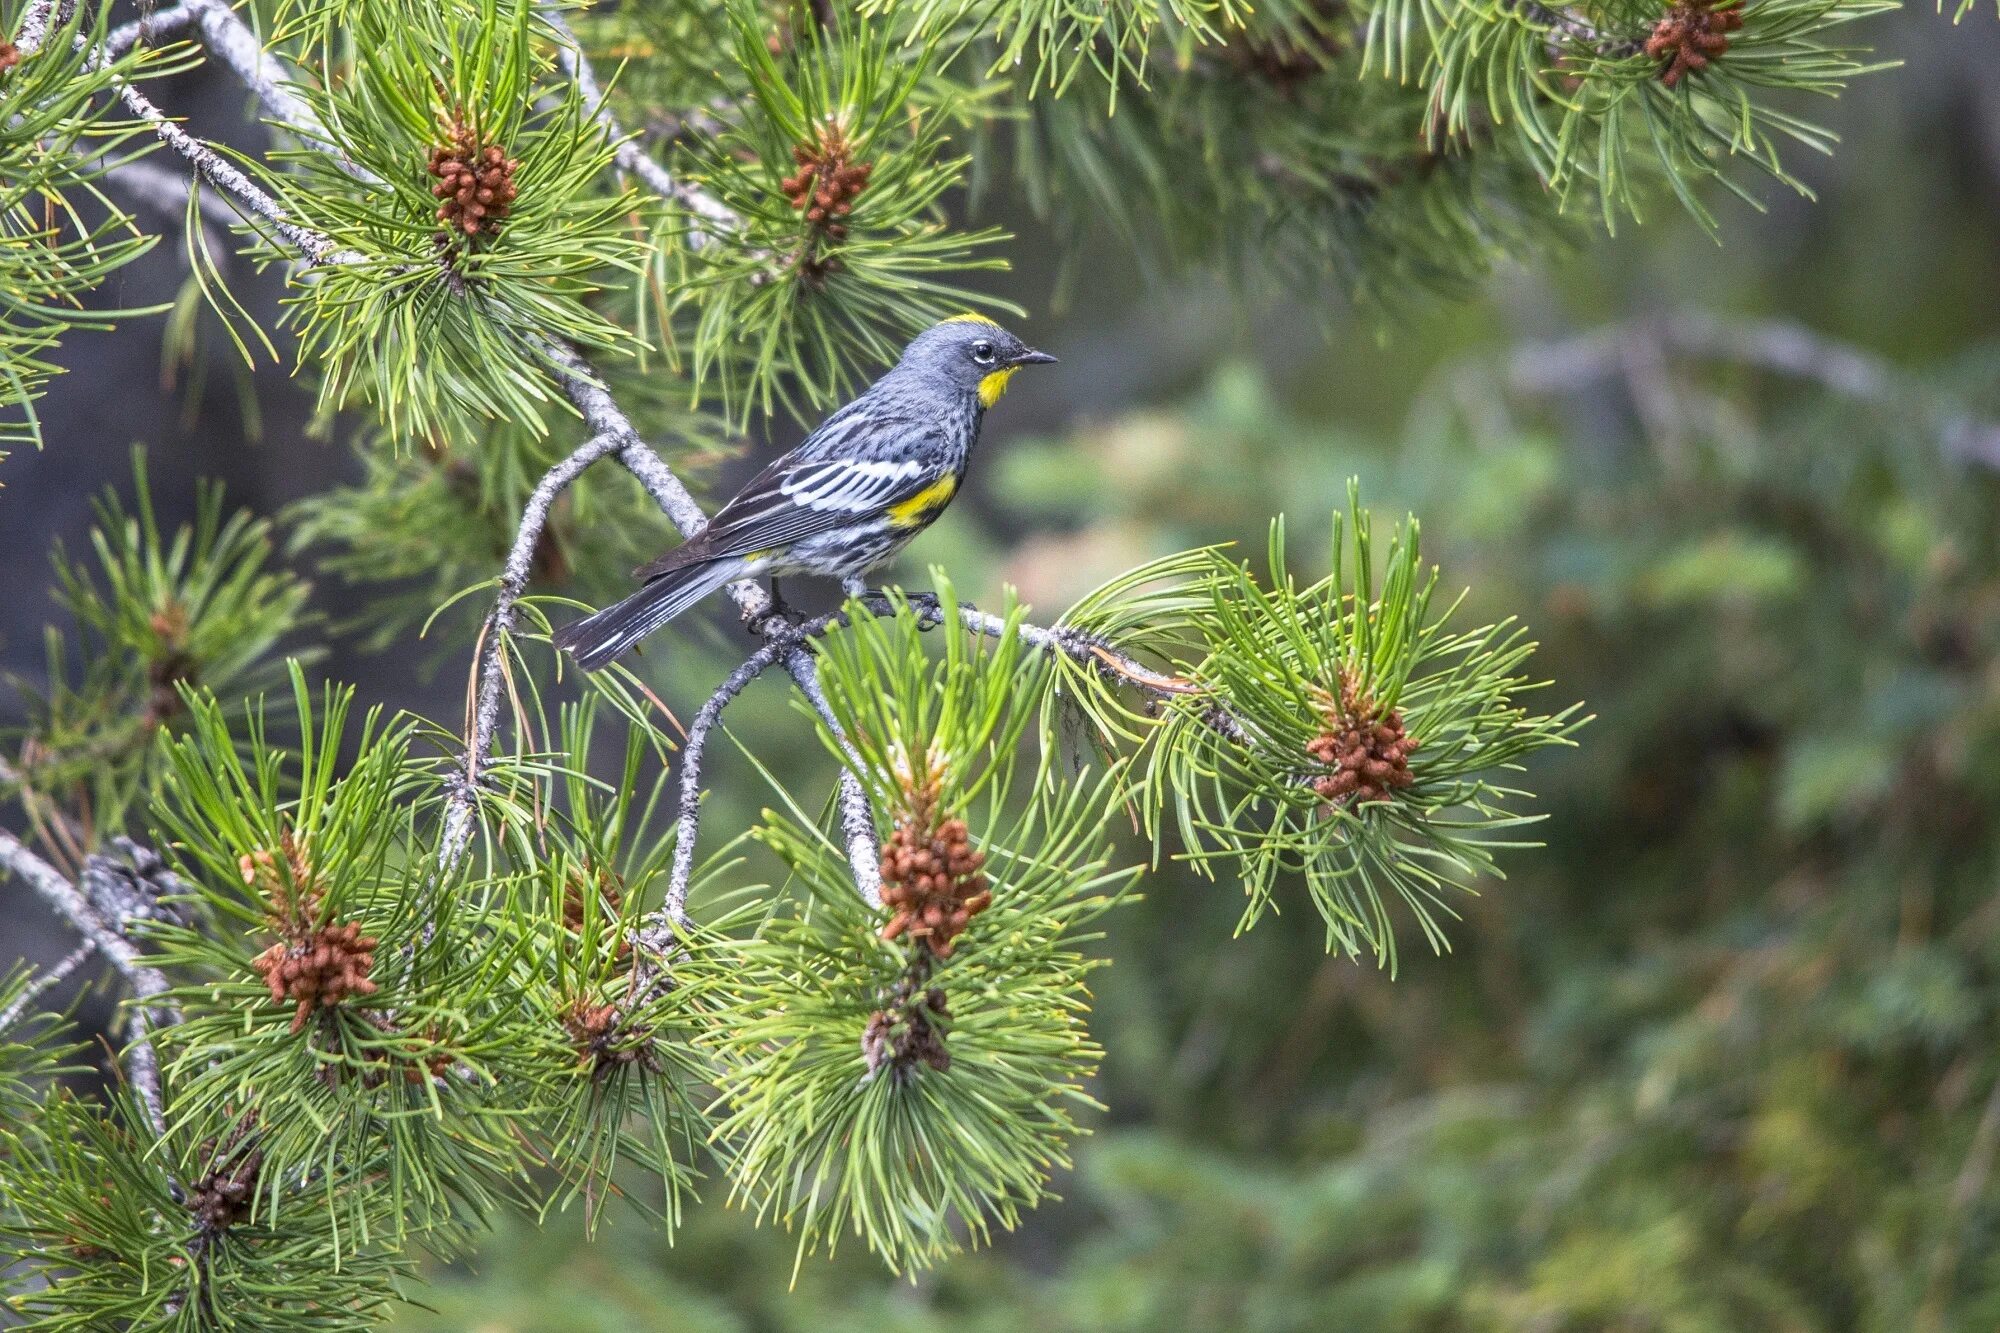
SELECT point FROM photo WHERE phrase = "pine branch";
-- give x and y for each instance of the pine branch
(225, 176)
(785, 644)
(614, 428)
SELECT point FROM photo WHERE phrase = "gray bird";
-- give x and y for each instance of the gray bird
(875, 474)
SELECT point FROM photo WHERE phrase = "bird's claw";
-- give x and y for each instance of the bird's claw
(928, 606)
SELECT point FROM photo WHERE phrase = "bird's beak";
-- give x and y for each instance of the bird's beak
(1033, 358)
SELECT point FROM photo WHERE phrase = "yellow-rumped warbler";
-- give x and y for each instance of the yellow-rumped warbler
(874, 475)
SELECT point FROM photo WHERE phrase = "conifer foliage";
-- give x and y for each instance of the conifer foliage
(381, 977)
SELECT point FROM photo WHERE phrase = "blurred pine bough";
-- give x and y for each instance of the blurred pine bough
(394, 973)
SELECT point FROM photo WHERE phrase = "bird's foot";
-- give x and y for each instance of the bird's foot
(929, 609)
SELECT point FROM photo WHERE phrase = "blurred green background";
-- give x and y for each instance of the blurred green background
(1723, 1055)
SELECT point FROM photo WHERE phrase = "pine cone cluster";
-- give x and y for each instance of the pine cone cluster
(933, 880)
(323, 968)
(1691, 35)
(907, 1032)
(475, 182)
(827, 182)
(1369, 754)
(222, 1196)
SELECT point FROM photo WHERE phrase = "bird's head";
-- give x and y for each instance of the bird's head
(971, 353)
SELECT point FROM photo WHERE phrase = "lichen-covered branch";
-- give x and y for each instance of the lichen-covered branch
(34, 29)
(147, 984)
(47, 981)
(499, 624)
(148, 29)
(225, 176)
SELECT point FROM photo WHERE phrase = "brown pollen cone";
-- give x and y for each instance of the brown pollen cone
(316, 963)
(824, 188)
(10, 55)
(1367, 750)
(1692, 34)
(933, 879)
(475, 182)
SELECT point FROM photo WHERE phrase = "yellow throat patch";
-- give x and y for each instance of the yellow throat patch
(991, 387)
(922, 507)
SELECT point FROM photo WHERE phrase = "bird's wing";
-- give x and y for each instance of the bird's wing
(805, 493)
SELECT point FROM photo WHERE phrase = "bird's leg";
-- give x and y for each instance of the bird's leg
(853, 585)
(774, 613)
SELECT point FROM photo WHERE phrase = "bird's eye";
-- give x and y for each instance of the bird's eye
(982, 352)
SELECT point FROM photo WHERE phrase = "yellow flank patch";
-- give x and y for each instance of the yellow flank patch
(994, 385)
(968, 318)
(922, 507)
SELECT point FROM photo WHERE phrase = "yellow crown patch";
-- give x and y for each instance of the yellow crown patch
(968, 318)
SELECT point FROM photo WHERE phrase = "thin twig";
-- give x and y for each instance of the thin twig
(499, 624)
(629, 154)
(693, 751)
(857, 816)
(44, 983)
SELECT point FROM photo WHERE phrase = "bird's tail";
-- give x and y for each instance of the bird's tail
(595, 640)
